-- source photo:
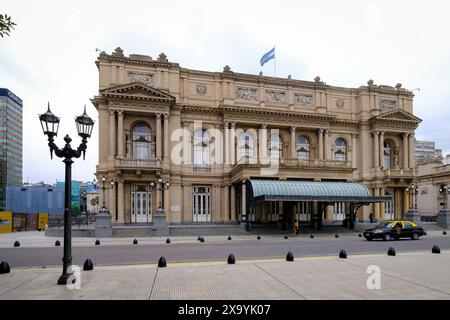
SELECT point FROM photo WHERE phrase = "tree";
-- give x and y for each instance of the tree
(76, 210)
(6, 25)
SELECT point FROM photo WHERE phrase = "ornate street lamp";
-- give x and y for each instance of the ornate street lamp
(112, 183)
(413, 214)
(445, 190)
(50, 125)
(162, 185)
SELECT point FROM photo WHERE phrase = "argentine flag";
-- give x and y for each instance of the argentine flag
(268, 56)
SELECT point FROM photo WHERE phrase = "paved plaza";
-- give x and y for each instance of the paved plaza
(412, 275)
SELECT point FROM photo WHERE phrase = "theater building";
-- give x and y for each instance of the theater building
(232, 147)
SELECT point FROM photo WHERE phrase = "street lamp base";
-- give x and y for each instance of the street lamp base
(66, 278)
(413, 215)
(443, 219)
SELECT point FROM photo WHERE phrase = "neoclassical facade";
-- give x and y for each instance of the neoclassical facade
(205, 134)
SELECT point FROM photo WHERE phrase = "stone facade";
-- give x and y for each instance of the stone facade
(317, 131)
(431, 177)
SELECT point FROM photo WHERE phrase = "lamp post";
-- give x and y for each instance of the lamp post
(162, 185)
(412, 214)
(445, 190)
(50, 125)
(443, 217)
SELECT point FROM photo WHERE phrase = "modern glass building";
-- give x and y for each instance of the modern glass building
(75, 190)
(10, 142)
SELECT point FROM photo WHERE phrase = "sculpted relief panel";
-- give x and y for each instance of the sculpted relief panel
(388, 104)
(302, 99)
(276, 96)
(246, 93)
(138, 77)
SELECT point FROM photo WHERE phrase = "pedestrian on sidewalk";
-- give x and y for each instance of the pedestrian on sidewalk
(295, 227)
(371, 218)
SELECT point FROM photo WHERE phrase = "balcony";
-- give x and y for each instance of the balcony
(137, 163)
(295, 163)
(398, 173)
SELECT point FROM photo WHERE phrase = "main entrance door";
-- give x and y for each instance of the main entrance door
(141, 204)
(201, 204)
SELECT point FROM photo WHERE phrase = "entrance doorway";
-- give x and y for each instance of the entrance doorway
(201, 204)
(141, 204)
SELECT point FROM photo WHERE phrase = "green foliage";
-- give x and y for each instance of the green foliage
(6, 25)
(76, 210)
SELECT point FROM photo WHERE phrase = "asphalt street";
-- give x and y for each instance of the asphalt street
(188, 252)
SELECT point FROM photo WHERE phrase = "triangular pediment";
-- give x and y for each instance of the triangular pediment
(397, 115)
(139, 91)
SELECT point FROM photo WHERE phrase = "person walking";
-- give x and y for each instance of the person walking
(295, 227)
(371, 218)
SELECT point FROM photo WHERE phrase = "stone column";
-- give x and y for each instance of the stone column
(354, 151)
(381, 150)
(120, 134)
(225, 203)
(226, 142)
(376, 207)
(186, 216)
(329, 212)
(382, 206)
(120, 202)
(166, 137)
(166, 199)
(112, 202)
(158, 136)
(233, 202)
(112, 134)
(406, 203)
(244, 202)
(405, 150)
(412, 162)
(320, 133)
(293, 151)
(376, 152)
(232, 143)
(327, 146)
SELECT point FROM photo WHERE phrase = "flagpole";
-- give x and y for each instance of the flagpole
(275, 61)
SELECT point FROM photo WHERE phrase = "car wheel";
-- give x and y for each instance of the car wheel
(415, 236)
(369, 238)
(387, 237)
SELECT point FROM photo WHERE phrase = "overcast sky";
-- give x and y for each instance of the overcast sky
(50, 55)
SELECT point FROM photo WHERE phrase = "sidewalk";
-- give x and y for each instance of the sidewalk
(36, 239)
(404, 276)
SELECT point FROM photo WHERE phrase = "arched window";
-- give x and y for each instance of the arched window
(340, 150)
(202, 141)
(302, 147)
(275, 146)
(246, 146)
(141, 142)
(387, 154)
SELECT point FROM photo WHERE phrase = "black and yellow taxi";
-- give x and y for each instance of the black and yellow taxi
(394, 230)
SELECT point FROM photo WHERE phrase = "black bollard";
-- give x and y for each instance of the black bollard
(162, 263)
(167, 240)
(4, 267)
(360, 235)
(57, 243)
(229, 237)
(135, 241)
(88, 265)
(290, 256)
(258, 237)
(444, 232)
(285, 237)
(17, 244)
(391, 251)
(202, 239)
(436, 249)
(336, 235)
(311, 236)
(343, 254)
(199, 238)
(231, 259)
(97, 242)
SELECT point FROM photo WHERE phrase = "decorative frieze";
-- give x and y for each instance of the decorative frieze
(138, 77)
(246, 93)
(388, 104)
(302, 99)
(276, 96)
